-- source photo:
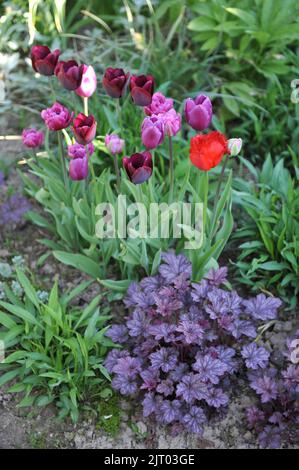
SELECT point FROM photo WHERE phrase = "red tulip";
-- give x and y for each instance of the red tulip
(114, 82)
(84, 128)
(139, 167)
(43, 60)
(142, 89)
(69, 74)
(207, 150)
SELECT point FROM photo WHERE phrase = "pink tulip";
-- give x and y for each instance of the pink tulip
(152, 132)
(32, 138)
(159, 104)
(79, 151)
(172, 122)
(79, 169)
(114, 143)
(57, 117)
(89, 82)
(198, 112)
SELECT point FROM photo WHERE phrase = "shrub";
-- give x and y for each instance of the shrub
(186, 343)
(54, 351)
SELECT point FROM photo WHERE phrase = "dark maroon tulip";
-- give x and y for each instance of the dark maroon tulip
(114, 82)
(43, 60)
(84, 128)
(139, 167)
(69, 74)
(142, 89)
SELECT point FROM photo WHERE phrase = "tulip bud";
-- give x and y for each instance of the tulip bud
(114, 82)
(234, 146)
(32, 138)
(139, 167)
(79, 151)
(160, 104)
(199, 112)
(79, 169)
(88, 83)
(43, 60)
(114, 144)
(152, 132)
(84, 128)
(69, 74)
(172, 122)
(57, 117)
(142, 89)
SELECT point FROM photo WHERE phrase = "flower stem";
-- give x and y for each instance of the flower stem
(52, 88)
(85, 104)
(93, 176)
(217, 195)
(118, 112)
(171, 173)
(117, 172)
(62, 160)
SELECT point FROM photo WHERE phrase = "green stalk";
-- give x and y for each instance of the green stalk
(85, 105)
(117, 172)
(217, 196)
(62, 160)
(171, 171)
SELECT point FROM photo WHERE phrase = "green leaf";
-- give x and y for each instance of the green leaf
(81, 262)
(28, 288)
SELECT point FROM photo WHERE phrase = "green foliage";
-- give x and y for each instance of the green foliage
(109, 415)
(54, 351)
(270, 238)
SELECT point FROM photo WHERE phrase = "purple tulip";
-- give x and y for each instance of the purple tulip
(152, 132)
(57, 117)
(159, 104)
(69, 74)
(32, 138)
(172, 122)
(89, 82)
(79, 169)
(114, 143)
(199, 112)
(84, 128)
(139, 167)
(43, 60)
(114, 82)
(79, 151)
(142, 89)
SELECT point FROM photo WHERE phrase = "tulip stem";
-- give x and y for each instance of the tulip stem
(52, 88)
(118, 112)
(85, 104)
(171, 174)
(62, 160)
(93, 176)
(117, 172)
(213, 229)
(34, 156)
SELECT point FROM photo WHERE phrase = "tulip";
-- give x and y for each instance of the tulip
(79, 169)
(84, 128)
(79, 151)
(114, 82)
(114, 143)
(57, 117)
(142, 89)
(139, 167)
(152, 132)
(234, 146)
(69, 74)
(207, 150)
(172, 122)
(89, 82)
(159, 104)
(43, 60)
(199, 112)
(32, 138)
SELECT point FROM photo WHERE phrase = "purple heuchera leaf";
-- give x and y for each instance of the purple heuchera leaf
(194, 419)
(217, 276)
(264, 385)
(191, 333)
(164, 359)
(112, 358)
(174, 266)
(209, 369)
(216, 398)
(165, 387)
(255, 356)
(254, 416)
(125, 384)
(270, 437)
(128, 366)
(118, 334)
(262, 307)
(171, 410)
(191, 388)
(149, 404)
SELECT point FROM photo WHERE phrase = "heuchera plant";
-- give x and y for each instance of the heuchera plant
(185, 341)
(277, 417)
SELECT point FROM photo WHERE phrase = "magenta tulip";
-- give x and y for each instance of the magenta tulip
(114, 143)
(152, 132)
(43, 60)
(159, 104)
(139, 167)
(69, 74)
(114, 82)
(79, 151)
(84, 128)
(172, 122)
(32, 138)
(79, 169)
(198, 112)
(89, 82)
(57, 117)
(142, 89)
